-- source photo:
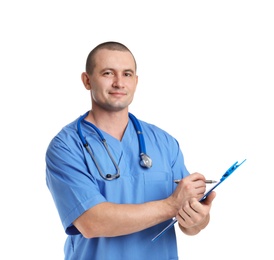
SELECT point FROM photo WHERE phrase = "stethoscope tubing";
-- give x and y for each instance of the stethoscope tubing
(145, 161)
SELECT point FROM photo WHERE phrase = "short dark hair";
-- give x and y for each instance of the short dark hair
(110, 45)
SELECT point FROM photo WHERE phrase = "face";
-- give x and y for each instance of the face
(113, 81)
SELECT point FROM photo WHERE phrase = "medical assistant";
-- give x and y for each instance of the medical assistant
(76, 186)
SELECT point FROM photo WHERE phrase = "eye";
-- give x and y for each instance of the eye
(128, 73)
(107, 73)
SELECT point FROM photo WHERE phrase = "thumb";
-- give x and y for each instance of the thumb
(208, 200)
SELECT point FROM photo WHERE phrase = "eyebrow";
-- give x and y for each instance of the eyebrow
(130, 70)
(125, 70)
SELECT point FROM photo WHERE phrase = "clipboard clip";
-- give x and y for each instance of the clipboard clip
(231, 169)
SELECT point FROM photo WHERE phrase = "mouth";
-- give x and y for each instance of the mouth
(117, 93)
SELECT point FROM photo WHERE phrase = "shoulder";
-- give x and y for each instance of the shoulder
(152, 127)
(159, 141)
(66, 138)
(156, 132)
(68, 131)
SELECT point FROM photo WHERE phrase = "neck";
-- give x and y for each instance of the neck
(113, 123)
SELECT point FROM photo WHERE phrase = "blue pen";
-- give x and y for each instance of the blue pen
(224, 177)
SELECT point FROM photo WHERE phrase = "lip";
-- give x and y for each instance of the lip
(117, 93)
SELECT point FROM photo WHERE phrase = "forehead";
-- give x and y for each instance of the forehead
(113, 59)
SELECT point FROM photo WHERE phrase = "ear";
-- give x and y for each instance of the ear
(85, 80)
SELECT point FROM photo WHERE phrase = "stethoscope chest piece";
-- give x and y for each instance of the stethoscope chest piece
(145, 161)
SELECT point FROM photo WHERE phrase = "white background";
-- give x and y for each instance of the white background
(205, 75)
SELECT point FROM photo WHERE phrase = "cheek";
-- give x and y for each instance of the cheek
(131, 95)
(95, 95)
(98, 95)
(132, 88)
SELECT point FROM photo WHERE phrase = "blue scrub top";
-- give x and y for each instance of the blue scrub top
(76, 186)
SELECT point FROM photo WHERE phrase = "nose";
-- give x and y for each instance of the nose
(118, 82)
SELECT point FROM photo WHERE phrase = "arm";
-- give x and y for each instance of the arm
(109, 219)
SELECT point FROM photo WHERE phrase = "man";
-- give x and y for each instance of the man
(111, 205)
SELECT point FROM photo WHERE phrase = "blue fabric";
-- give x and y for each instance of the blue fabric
(76, 186)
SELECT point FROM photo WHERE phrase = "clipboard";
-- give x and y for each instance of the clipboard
(230, 170)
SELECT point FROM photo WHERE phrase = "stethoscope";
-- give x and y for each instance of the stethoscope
(145, 160)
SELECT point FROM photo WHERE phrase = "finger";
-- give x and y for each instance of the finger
(200, 190)
(187, 215)
(194, 208)
(208, 200)
(196, 176)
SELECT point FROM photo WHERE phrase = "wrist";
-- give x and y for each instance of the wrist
(172, 207)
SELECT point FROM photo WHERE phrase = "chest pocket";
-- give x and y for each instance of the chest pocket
(158, 185)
